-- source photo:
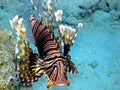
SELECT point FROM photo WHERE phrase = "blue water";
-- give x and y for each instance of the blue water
(96, 51)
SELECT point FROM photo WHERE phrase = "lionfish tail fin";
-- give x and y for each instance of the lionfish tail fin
(56, 75)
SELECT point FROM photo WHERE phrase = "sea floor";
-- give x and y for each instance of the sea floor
(96, 52)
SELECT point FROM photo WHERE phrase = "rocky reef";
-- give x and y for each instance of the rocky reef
(8, 79)
(7, 71)
(86, 8)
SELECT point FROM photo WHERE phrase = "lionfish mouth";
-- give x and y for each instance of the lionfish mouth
(51, 83)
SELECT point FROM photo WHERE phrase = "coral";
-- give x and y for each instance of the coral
(7, 71)
(8, 79)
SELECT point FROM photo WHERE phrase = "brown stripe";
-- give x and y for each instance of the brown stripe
(41, 34)
(52, 62)
(48, 44)
(44, 38)
(37, 25)
(51, 47)
(48, 39)
(53, 58)
(33, 28)
(54, 52)
(48, 50)
(38, 33)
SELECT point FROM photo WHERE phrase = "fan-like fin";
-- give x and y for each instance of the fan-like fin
(30, 70)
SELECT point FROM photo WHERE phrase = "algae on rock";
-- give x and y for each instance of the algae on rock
(8, 80)
(7, 71)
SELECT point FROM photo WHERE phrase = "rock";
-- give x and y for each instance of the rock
(115, 15)
(107, 5)
(93, 64)
(8, 80)
(7, 72)
(2, 4)
(85, 8)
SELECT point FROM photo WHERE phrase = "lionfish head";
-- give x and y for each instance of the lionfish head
(57, 75)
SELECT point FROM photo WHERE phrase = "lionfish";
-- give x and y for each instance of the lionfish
(51, 60)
